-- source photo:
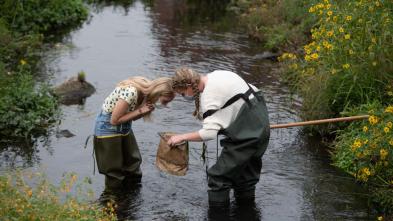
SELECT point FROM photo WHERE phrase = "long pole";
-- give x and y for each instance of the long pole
(322, 121)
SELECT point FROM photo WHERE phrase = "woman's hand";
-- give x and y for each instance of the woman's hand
(146, 108)
(175, 140)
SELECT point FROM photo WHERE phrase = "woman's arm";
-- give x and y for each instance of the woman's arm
(176, 139)
(120, 114)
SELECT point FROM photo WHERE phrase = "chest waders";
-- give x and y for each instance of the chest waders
(117, 153)
(239, 164)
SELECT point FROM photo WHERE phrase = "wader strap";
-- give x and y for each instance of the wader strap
(232, 100)
(94, 158)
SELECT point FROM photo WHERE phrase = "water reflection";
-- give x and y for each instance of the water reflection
(22, 153)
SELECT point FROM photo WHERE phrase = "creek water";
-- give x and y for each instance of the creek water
(153, 39)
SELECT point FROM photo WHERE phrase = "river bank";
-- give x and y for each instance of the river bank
(341, 67)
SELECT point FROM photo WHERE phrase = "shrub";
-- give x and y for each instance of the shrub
(41, 200)
(26, 110)
(40, 16)
(365, 150)
(15, 47)
(349, 61)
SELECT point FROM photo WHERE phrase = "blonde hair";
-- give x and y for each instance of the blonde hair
(151, 89)
(185, 77)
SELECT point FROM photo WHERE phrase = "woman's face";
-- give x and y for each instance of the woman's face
(186, 92)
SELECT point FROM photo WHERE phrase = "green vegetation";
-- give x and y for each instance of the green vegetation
(45, 201)
(27, 109)
(278, 25)
(347, 69)
(365, 150)
(42, 16)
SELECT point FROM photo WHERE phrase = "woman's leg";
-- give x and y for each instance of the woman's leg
(109, 156)
(131, 159)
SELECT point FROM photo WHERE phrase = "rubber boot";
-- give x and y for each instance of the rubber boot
(132, 180)
(112, 187)
(218, 198)
(245, 195)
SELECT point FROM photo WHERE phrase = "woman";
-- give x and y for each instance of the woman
(233, 108)
(116, 150)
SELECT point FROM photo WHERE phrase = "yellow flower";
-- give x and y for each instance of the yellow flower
(348, 18)
(334, 18)
(374, 40)
(30, 193)
(314, 56)
(374, 63)
(347, 36)
(330, 33)
(293, 66)
(365, 129)
(357, 144)
(351, 51)
(23, 62)
(389, 109)
(346, 66)
(391, 142)
(359, 155)
(311, 10)
(380, 218)
(366, 171)
(329, 13)
(307, 58)
(334, 71)
(341, 29)
(377, 3)
(383, 153)
(373, 120)
(389, 124)
(386, 129)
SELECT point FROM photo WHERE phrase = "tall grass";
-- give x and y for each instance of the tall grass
(278, 25)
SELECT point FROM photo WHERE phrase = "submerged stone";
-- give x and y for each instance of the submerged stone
(64, 133)
(75, 90)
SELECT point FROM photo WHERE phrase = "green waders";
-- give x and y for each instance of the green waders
(239, 164)
(118, 158)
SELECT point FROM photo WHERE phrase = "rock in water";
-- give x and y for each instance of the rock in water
(64, 133)
(75, 90)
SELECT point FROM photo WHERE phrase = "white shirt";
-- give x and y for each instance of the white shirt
(219, 88)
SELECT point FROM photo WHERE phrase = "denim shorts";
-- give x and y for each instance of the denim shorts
(103, 126)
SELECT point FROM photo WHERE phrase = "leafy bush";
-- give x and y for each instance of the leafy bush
(41, 200)
(349, 61)
(26, 110)
(15, 47)
(38, 16)
(365, 150)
